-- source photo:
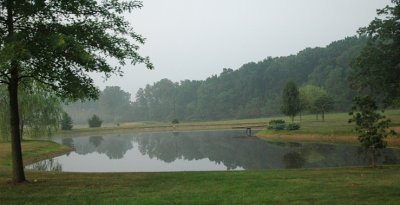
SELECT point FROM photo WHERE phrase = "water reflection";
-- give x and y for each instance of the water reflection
(114, 147)
(293, 160)
(96, 140)
(218, 150)
(46, 165)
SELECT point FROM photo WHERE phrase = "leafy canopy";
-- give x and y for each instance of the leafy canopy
(377, 70)
(58, 43)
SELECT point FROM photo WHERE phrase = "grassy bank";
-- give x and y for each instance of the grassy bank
(335, 125)
(33, 151)
(333, 186)
(335, 129)
(162, 126)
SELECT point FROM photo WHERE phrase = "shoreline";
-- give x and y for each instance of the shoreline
(393, 142)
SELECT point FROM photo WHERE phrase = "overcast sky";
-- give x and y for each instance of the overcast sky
(194, 39)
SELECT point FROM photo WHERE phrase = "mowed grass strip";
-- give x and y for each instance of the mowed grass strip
(301, 186)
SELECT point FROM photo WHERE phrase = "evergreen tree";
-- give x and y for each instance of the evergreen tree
(95, 121)
(371, 126)
(66, 122)
(290, 100)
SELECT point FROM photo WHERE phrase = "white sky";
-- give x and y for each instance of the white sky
(194, 39)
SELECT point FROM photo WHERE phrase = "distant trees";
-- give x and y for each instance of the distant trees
(95, 121)
(254, 90)
(290, 100)
(66, 122)
(323, 104)
(114, 104)
(316, 100)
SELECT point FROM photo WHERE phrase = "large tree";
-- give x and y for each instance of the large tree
(377, 70)
(58, 43)
(290, 100)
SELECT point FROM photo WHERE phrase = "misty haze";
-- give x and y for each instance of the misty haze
(199, 102)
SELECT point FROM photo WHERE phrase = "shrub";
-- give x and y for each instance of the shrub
(95, 121)
(276, 125)
(292, 126)
(66, 122)
(281, 125)
(175, 121)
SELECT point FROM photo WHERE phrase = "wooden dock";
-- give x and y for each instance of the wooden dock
(248, 128)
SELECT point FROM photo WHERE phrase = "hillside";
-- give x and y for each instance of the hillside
(253, 90)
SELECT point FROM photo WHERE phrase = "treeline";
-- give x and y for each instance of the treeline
(113, 105)
(253, 90)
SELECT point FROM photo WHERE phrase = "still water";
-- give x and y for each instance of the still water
(201, 151)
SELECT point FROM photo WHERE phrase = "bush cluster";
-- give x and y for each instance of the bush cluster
(281, 125)
(292, 126)
(95, 121)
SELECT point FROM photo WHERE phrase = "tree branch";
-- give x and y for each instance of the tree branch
(4, 82)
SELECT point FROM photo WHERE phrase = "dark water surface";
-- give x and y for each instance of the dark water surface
(201, 151)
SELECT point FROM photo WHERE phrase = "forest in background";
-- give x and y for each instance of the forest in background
(253, 90)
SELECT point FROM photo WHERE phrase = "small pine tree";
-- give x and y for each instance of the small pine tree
(66, 122)
(95, 121)
(371, 126)
(290, 100)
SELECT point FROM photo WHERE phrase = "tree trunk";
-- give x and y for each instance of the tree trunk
(323, 116)
(16, 150)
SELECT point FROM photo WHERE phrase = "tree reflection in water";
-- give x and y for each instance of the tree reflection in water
(96, 140)
(234, 150)
(209, 150)
(114, 147)
(293, 160)
(47, 165)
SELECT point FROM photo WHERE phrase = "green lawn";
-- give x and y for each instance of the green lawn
(335, 129)
(328, 186)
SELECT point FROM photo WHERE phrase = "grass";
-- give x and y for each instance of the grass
(328, 186)
(300, 186)
(33, 150)
(335, 129)
(163, 126)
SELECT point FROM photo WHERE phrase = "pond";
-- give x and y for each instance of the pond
(201, 151)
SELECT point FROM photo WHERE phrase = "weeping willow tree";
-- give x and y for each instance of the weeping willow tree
(40, 112)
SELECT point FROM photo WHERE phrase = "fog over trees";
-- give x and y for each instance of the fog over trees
(253, 90)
